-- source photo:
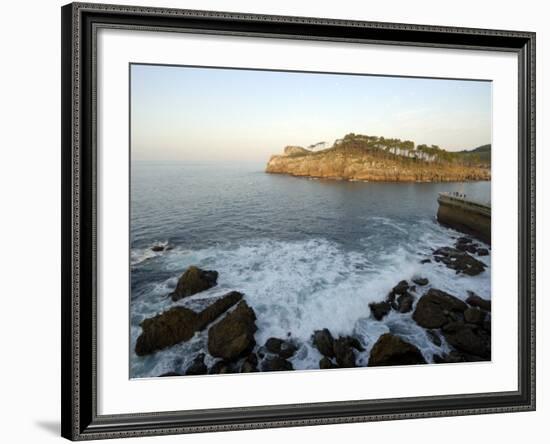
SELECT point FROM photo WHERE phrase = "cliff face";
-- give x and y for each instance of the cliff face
(356, 162)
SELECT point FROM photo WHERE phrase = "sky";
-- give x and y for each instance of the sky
(203, 114)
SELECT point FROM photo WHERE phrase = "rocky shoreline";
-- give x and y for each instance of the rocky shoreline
(358, 158)
(463, 327)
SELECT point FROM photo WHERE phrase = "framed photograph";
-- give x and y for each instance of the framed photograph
(281, 221)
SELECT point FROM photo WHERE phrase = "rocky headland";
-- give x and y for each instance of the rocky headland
(377, 159)
(460, 329)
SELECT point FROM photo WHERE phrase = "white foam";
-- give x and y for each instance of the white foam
(300, 287)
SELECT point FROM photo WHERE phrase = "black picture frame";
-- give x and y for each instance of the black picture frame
(79, 395)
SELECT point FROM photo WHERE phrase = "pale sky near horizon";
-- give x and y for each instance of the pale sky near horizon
(202, 114)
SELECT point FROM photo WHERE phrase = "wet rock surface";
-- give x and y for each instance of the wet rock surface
(276, 364)
(392, 350)
(436, 308)
(459, 261)
(475, 301)
(324, 342)
(179, 324)
(194, 280)
(284, 349)
(197, 367)
(233, 336)
(379, 309)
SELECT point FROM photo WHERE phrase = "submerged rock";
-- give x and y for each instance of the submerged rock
(157, 248)
(379, 309)
(475, 301)
(459, 261)
(197, 367)
(284, 349)
(194, 280)
(233, 336)
(276, 364)
(436, 308)
(179, 324)
(421, 281)
(324, 342)
(392, 350)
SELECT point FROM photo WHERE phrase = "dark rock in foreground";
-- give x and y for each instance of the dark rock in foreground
(392, 350)
(233, 336)
(345, 356)
(284, 349)
(193, 281)
(436, 308)
(326, 363)
(474, 315)
(475, 301)
(250, 364)
(276, 364)
(179, 324)
(459, 261)
(324, 342)
(468, 338)
(404, 303)
(197, 367)
(223, 367)
(379, 309)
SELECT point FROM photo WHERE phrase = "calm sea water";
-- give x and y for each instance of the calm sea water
(307, 254)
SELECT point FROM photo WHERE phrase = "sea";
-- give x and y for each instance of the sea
(307, 253)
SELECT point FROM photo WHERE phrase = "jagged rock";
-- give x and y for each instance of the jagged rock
(345, 357)
(400, 288)
(436, 308)
(197, 367)
(474, 315)
(420, 281)
(459, 261)
(324, 342)
(468, 338)
(280, 347)
(276, 364)
(194, 280)
(326, 363)
(250, 364)
(482, 252)
(475, 301)
(379, 309)
(434, 337)
(179, 324)
(392, 350)
(233, 336)
(223, 367)
(404, 303)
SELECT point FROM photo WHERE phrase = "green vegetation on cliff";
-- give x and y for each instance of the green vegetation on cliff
(361, 157)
